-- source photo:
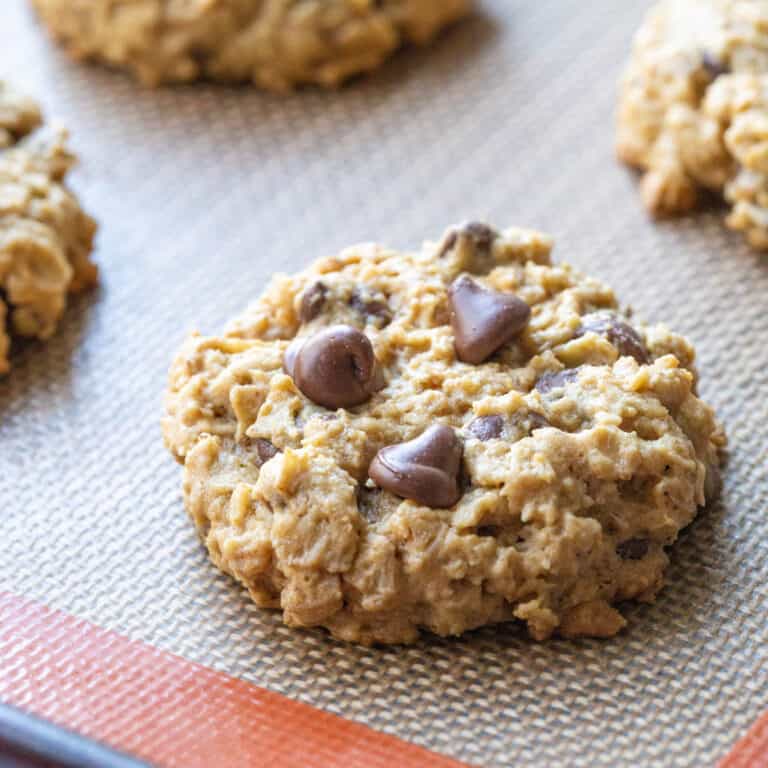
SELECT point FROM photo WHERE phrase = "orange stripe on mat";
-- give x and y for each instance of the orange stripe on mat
(752, 750)
(170, 711)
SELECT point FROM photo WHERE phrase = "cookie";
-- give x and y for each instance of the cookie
(469, 434)
(276, 45)
(693, 111)
(45, 237)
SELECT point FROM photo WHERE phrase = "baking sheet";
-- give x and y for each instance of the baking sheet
(202, 192)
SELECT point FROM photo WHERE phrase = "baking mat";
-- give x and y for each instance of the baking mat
(168, 710)
(751, 751)
(201, 193)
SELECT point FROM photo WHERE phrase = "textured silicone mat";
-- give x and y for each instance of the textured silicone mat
(201, 193)
(168, 710)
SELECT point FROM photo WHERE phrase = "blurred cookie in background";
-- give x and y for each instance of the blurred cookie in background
(276, 45)
(693, 109)
(45, 237)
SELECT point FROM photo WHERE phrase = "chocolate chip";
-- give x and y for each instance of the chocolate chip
(312, 302)
(623, 336)
(552, 380)
(289, 356)
(372, 308)
(486, 427)
(483, 320)
(480, 235)
(633, 549)
(713, 65)
(522, 423)
(335, 368)
(265, 450)
(537, 421)
(425, 470)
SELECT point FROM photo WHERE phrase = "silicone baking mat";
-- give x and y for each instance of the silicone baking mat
(201, 193)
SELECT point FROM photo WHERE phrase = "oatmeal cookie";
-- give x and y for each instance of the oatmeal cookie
(276, 44)
(45, 237)
(693, 111)
(469, 434)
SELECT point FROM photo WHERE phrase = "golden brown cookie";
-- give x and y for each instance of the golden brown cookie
(45, 237)
(469, 434)
(276, 44)
(693, 110)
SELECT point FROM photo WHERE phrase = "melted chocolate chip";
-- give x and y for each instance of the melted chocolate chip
(312, 302)
(623, 336)
(371, 308)
(713, 65)
(483, 320)
(633, 549)
(265, 450)
(486, 427)
(537, 421)
(262, 450)
(425, 470)
(480, 235)
(552, 380)
(516, 426)
(335, 368)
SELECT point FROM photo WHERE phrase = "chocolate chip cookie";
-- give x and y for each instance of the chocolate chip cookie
(469, 434)
(693, 111)
(45, 237)
(276, 45)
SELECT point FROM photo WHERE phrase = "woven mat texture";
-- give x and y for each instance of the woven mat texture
(202, 192)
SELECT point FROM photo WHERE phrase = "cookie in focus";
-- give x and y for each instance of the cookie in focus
(391, 442)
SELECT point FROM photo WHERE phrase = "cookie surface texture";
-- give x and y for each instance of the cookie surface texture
(693, 109)
(542, 483)
(45, 237)
(276, 44)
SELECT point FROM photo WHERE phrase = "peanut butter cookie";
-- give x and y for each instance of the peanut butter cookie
(276, 44)
(693, 111)
(45, 237)
(440, 440)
